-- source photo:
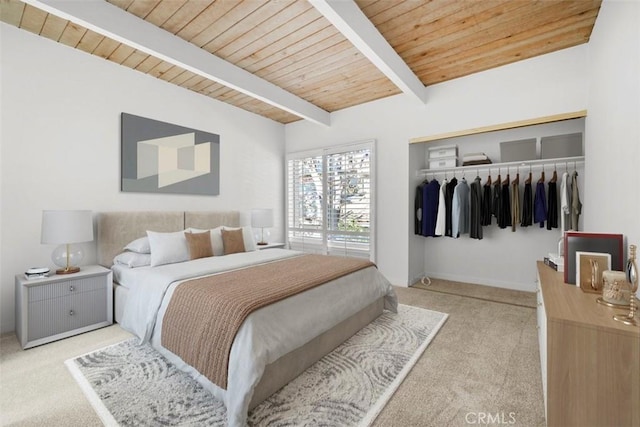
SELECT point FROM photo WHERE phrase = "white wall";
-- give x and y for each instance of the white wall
(60, 143)
(550, 84)
(613, 123)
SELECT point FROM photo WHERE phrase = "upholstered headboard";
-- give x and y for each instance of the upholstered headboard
(116, 229)
(211, 219)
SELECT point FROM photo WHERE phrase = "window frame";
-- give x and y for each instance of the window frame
(323, 244)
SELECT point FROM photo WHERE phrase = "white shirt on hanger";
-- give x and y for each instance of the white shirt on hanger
(441, 218)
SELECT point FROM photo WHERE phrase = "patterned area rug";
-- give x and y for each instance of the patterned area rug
(131, 385)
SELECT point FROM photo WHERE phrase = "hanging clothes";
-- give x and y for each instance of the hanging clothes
(497, 199)
(486, 203)
(417, 207)
(475, 210)
(442, 210)
(430, 208)
(515, 203)
(448, 205)
(540, 205)
(460, 210)
(576, 205)
(423, 231)
(527, 206)
(504, 207)
(552, 206)
(565, 203)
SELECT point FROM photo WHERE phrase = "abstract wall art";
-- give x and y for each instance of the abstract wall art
(159, 157)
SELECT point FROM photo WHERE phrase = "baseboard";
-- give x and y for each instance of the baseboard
(481, 281)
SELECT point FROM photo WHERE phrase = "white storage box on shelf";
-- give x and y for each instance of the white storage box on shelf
(449, 151)
(443, 162)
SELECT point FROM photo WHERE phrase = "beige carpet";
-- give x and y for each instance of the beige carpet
(483, 361)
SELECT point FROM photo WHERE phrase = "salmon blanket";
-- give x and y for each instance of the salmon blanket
(204, 314)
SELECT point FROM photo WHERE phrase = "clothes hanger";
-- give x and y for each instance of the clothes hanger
(541, 175)
(528, 180)
(506, 181)
(488, 178)
(499, 180)
(517, 180)
(554, 178)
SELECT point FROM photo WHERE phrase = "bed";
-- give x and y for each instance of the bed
(274, 343)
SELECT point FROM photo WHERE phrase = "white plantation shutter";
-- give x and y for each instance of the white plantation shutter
(305, 221)
(330, 200)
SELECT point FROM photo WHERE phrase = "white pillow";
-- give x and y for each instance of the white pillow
(216, 239)
(168, 248)
(247, 236)
(133, 259)
(140, 246)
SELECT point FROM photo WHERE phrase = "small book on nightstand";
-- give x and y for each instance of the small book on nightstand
(36, 273)
(554, 261)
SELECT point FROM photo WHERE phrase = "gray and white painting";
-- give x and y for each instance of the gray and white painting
(159, 157)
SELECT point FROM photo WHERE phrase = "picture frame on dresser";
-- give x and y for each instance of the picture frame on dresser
(578, 241)
(585, 273)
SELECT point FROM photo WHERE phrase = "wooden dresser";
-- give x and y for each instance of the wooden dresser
(590, 363)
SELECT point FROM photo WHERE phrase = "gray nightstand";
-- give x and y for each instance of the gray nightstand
(270, 246)
(60, 306)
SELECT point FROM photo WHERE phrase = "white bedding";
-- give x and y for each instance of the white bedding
(128, 277)
(267, 334)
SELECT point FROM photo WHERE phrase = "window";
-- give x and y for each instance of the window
(330, 200)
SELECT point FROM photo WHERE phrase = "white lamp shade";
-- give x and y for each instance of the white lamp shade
(62, 227)
(261, 218)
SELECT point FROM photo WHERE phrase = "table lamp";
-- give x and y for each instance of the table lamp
(65, 228)
(261, 218)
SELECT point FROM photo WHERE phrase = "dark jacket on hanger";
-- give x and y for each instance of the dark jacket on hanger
(540, 205)
(552, 206)
(430, 201)
(487, 200)
(504, 207)
(527, 206)
(476, 210)
(497, 195)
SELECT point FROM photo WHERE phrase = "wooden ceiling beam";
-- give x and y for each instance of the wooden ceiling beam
(347, 17)
(117, 24)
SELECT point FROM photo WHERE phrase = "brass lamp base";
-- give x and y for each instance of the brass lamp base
(631, 321)
(68, 270)
(601, 300)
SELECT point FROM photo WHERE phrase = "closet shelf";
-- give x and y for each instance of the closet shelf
(509, 166)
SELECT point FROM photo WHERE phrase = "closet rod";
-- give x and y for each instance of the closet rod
(567, 161)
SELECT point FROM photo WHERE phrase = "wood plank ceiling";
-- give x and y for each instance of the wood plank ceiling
(292, 45)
